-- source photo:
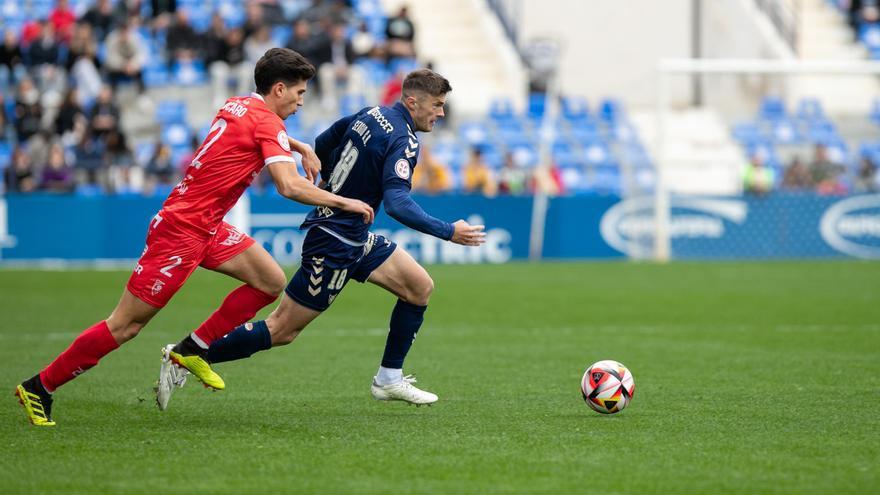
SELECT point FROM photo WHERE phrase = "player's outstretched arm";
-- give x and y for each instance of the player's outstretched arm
(293, 186)
(310, 162)
(401, 207)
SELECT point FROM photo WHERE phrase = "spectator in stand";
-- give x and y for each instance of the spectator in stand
(392, 89)
(758, 178)
(339, 74)
(44, 50)
(363, 43)
(235, 59)
(215, 45)
(826, 173)
(477, 176)
(89, 162)
(19, 175)
(163, 7)
(126, 55)
(117, 152)
(866, 177)
(160, 170)
(62, 19)
(57, 174)
(181, 40)
(11, 63)
(430, 176)
(797, 176)
(70, 114)
(105, 114)
(254, 48)
(28, 111)
(511, 178)
(100, 18)
(401, 33)
(82, 44)
(548, 180)
(304, 42)
(254, 18)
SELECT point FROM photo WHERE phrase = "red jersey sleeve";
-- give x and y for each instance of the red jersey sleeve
(272, 142)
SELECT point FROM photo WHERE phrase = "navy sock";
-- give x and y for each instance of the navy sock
(405, 322)
(241, 343)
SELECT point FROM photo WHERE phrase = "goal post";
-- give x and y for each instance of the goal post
(666, 69)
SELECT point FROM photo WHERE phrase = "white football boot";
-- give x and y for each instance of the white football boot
(170, 377)
(403, 390)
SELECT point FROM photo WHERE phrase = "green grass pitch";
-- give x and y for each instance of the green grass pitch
(750, 378)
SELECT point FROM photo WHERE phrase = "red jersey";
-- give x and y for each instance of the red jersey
(244, 137)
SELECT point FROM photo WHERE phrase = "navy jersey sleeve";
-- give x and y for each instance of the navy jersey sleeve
(396, 184)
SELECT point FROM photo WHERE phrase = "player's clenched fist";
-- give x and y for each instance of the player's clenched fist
(467, 234)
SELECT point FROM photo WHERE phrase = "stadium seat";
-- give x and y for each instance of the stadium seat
(605, 179)
(596, 153)
(501, 109)
(156, 75)
(5, 154)
(875, 111)
(171, 112)
(610, 110)
(537, 106)
(189, 73)
(772, 108)
(575, 108)
(810, 109)
(352, 103)
(785, 132)
(176, 135)
(473, 133)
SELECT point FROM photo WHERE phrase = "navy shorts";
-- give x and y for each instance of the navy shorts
(328, 264)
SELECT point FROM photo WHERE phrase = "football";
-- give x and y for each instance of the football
(607, 387)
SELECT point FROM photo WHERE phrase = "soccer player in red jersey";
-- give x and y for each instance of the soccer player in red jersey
(246, 135)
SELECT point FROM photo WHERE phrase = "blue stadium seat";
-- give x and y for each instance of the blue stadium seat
(450, 153)
(176, 135)
(747, 132)
(610, 110)
(350, 104)
(501, 109)
(189, 73)
(596, 153)
(171, 112)
(524, 155)
(5, 154)
(772, 108)
(575, 108)
(875, 111)
(88, 190)
(281, 34)
(474, 133)
(156, 75)
(403, 64)
(537, 106)
(143, 152)
(869, 34)
(786, 132)
(810, 110)
(573, 177)
(605, 179)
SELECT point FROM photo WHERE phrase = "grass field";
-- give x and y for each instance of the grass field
(750, 378)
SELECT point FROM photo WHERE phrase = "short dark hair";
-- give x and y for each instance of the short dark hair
(281, 64)
(425, 81)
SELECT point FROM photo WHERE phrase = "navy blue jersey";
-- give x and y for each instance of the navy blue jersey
(362, 156)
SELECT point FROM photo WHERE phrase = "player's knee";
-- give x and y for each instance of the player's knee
(275, 283)
(125, 331)
(421, 291)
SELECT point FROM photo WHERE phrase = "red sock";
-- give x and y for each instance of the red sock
(239, 306)
(84, 353)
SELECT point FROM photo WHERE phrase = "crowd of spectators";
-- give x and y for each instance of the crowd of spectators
(62, 77)
(821, 174)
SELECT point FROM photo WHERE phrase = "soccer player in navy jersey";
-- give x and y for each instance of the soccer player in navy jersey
(369, 156)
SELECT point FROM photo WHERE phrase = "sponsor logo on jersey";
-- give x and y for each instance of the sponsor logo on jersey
(381, 120)
(282, 140)
(630, 226)
(852, 226)
(402, 169)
